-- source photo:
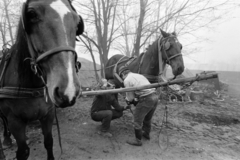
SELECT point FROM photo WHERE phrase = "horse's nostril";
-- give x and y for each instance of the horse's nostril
(56, 92)
(63, 100)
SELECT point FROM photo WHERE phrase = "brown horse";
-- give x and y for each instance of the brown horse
(165, 50)
(39, 71)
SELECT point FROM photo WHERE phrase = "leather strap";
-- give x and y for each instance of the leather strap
(16, 92)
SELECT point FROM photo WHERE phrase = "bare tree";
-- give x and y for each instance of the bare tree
(88, 44)
(3, 31)
(185, 17)
(125, 29)
(143, 6)
(130, 26)
(9, 13)
(102, 14)
(8, 20)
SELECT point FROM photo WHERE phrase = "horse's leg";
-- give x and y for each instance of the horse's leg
(18, 128)
(47, 123)
(2, 157)
(7, 141)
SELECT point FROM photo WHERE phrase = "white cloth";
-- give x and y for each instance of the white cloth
(136, 80)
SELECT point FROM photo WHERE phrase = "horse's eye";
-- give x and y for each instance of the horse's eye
(32, 16)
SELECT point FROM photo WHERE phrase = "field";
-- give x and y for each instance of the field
(201, 130)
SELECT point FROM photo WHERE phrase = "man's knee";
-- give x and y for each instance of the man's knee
(101, 115)
(117, 114)
(120, 114)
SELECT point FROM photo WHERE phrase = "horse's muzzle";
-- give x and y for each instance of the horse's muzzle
(62, 100)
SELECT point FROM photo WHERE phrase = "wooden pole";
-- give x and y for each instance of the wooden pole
(2, 157)
(153, 85)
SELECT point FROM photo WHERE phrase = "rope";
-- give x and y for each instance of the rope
(2, 156)
(59, 135)
(164, 121)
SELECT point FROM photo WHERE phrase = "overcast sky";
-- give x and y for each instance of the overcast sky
(222, 51)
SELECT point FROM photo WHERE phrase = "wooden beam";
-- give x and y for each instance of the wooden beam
(153, 85)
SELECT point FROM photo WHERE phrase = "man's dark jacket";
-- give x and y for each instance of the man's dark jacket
(105, 102)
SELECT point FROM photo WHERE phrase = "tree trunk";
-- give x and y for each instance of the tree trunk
(9, 22)
(2, 33)
(143, 5)
(94, 66)
(125, 31)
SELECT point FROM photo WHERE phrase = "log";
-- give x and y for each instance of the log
(153, 85)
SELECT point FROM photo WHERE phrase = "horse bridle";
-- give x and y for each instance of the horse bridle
(34, 53)
(163, 46)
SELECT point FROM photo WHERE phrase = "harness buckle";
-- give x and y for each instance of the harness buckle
(34, 68)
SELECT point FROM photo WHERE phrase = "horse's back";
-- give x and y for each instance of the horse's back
(110, 65)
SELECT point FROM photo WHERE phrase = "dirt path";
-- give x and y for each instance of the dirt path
(201, 131)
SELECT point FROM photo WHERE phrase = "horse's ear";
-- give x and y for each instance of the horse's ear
(80, 28)
(23, 16)
(164, 34)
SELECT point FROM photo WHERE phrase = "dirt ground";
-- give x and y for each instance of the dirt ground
(206, 130)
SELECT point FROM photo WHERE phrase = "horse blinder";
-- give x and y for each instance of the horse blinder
(167, 45)
(80, 27)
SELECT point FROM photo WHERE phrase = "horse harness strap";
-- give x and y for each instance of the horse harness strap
(163, 46)
(160, 61)
(16, 92)
(35, 59)
(129, 61)
(115, 70)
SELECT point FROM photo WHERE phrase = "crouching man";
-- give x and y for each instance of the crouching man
(145, 107)
(106, 108)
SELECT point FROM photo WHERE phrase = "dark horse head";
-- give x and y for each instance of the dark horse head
(169, 52)
(165, 50)
(45, 43)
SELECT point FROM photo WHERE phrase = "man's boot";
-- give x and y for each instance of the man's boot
(137, 139)
(146, 135)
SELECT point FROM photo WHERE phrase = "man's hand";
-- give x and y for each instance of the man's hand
(135, 101)
(127, 107)
(127, 101)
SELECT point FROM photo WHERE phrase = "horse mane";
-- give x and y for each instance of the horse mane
(21, 52)
(70, 2)
(152, 48)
